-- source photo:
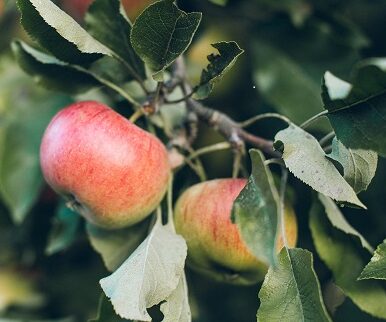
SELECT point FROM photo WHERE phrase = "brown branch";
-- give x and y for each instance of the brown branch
(230, 129)
(221, 122)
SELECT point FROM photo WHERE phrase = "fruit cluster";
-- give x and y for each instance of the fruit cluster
(115, 174)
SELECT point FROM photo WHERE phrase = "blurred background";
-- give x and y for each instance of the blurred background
(49, 271)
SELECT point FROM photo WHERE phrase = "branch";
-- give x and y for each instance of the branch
(230, 129)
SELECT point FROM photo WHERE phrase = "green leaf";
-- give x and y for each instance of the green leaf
(106, 312)
(62, 76)
(255, 211)
(305, 158)
(291, 290)
(377, 267)
(106, 23)
(57, 32)
(162, 33)
(359, 165)
(344, 259)
(176, 307)
(148, 276)
(357, 111)
(285, 85)
(339, 221)
(219, 64)
(115, 246)
(21, 130)
(51, 72)
(66, 224)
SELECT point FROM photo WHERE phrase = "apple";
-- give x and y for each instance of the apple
(215, 246)
(134, 7)
(78, 8)
(108, 169)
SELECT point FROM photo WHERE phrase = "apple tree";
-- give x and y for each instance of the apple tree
(192, 161)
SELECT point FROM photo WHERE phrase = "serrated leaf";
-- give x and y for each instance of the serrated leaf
(255, 211)
(115, 246)
(59, 33)
(109, 25)
(148, 276)
(344, 259)
(358, 113)
(291, 290)
(176, 308)
(106, 312)
(162, 33)
(359, 165)
(21, 131)
(376, 269)
(339, 221)
(219, 64)
(63, 233)
(51, 72)
(284, 84)
(305, 158)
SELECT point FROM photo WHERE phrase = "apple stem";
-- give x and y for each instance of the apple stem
(283, 186)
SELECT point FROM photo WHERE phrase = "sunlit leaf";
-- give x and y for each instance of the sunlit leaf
(148, 276)
(376, 269)
(60, 34)
(115, 246)
(305, 158)
(291, 290)
(359, 165)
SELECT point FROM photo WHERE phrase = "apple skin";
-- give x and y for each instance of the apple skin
(110, 171)
(78, 8)
(215, 246)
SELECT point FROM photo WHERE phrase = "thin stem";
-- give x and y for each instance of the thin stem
(180, 100)
(236, 164)
(111, 86)
(259, 117)
(159, 215)
(198, 170)
(324, 140)
(136, 115)
(134, 74)
(311, 120)
(283, 186)
(208, 149)
(274, 161)
(170, 222)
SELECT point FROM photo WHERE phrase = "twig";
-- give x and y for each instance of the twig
(259, 117)
(283, 186)
(324, 140)
(311, 120)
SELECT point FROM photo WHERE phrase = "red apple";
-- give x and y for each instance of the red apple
(215, 246)
(78, 8)
(111, 171)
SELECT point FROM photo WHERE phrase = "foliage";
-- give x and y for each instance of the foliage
(312, 62)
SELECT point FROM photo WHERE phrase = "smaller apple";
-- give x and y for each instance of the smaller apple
(111, 171)
(215, 246)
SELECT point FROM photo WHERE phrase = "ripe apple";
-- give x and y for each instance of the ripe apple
(110, 171)
(134, 7)
(78, 8)
(215, 247)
